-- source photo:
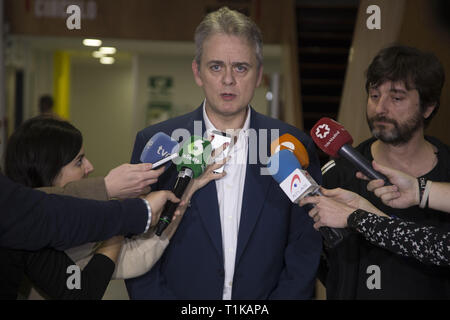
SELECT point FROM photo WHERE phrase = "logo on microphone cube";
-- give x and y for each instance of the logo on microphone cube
(196, 148)
(297, 185)
(162, 152)
(195, 152)
(322, 131)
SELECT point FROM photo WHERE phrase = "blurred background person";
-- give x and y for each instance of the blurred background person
(46, 106)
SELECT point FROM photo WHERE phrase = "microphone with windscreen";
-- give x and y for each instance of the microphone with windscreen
(160, 149)
(289, 142)
(332, 138)
(193, 158)
(297, 183)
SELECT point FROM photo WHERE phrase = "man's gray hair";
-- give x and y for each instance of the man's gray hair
(229, 22)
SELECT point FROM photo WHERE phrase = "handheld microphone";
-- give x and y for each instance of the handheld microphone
(298, 184)
(332, 138)
(289, 142)
(193, 158)
(160, 149)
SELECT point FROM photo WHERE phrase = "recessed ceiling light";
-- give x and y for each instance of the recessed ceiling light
(92, 42)
(107, 50)
(107, 60)
(97, 54)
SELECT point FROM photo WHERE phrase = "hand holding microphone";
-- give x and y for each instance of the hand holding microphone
(332, 138)
(328, 212)
(157, 200)
(160, 149)
(333, 207)
(131, 180)
(216, 161)
(285, 168)
(403, 194)
(192, 162)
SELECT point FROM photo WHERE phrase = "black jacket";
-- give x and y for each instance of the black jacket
(48, 270)
(401, 278)
(31, 219)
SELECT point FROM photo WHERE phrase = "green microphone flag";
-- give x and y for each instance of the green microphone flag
(195, 155)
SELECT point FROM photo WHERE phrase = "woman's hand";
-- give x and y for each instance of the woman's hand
(402, 194)
(131, 180)
(195, 184)
(328, 212)
(207, 176)
(333, 208)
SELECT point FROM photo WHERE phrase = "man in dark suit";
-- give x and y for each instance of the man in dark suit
(241, 238)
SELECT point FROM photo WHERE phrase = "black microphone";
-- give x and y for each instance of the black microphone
(184, 177)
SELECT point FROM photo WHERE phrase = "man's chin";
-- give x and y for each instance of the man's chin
(383, 135)
(231, 111)
(388, 138)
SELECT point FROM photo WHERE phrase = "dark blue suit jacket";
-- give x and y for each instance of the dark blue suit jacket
(277, 250)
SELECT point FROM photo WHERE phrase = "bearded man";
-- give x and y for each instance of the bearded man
(404, 87)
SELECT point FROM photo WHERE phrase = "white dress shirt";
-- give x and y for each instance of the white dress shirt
(230, 190)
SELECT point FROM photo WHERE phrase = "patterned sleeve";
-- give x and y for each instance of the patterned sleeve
(427, 244)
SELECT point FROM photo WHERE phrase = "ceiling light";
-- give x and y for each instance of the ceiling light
(97, 54)
(107, 60)
(107, 50)
(92, 42)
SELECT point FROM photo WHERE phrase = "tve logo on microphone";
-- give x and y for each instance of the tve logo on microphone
(162, 152)
(297, 184)
(160, 146)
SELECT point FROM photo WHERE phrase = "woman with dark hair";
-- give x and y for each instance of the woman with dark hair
(46, 152)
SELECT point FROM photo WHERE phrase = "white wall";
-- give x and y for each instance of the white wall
(101, 108)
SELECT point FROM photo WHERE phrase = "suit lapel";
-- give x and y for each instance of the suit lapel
(255, 189)
(206, 204)
(205, 200)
